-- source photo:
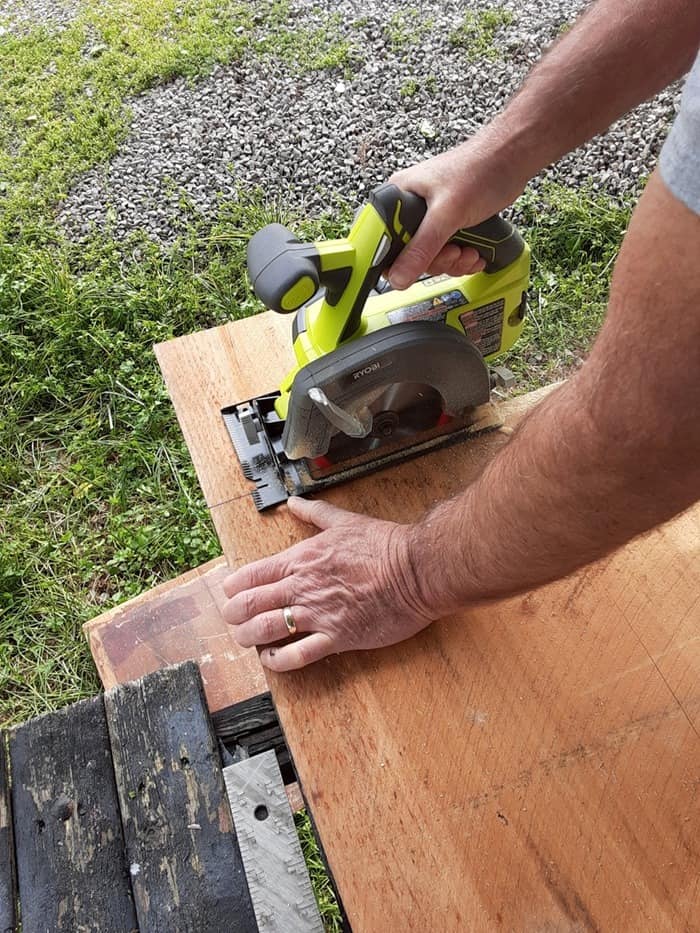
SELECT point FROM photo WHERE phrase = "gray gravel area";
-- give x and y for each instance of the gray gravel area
(306, 136)
(18, 16)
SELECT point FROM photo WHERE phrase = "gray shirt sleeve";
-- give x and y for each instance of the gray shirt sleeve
(679, 162)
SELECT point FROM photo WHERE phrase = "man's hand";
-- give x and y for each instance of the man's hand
(462, 187)
(573, 93)
(348, 587)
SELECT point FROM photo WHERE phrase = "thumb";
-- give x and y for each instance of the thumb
(415, 259)
(316, 512)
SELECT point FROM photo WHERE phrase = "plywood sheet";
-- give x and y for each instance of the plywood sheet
(177, 621)
(529, 764)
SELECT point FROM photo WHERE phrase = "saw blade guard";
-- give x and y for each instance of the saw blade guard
(357, 373)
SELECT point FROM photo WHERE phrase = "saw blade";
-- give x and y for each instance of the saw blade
(400, 413)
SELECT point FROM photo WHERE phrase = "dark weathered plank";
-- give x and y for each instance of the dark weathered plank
(186, 867)
(251, 727)
(7, 855)
(71, 864)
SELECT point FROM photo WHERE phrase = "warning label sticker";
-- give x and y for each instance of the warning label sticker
(432, 309)
(484, 326)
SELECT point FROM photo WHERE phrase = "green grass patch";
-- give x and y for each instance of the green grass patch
(477, 32)
(308, 49)
(574, 237)
(407, 28)
(411, 87)
(325, 898)
(98, 500)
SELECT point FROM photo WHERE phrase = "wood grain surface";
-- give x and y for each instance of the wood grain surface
(529, 764)
(71, 866)
(177, 621)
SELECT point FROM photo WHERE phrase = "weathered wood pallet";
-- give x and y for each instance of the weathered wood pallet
(71, 863)
(7, 854)
(185, 864)
(121, 817)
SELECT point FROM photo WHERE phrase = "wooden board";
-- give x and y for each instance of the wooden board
(7, 854)
(177, 621)
(184, 860)
(71, 868)
(528, 764)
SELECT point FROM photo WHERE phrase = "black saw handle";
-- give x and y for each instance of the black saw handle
(496, 240)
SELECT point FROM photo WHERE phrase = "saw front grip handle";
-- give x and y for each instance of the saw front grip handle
(496, 240)
(283, 271)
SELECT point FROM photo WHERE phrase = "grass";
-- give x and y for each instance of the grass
(98, 500)
(477, 32)
(307, 50)
(574, 237)
(325, 897)
(407, 28)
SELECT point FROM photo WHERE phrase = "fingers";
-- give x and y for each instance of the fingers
(248, 603)
(450, 260)
(297, 654)
(455, 260)
(317, 512)
(269, 627)
(422, 249)
(259, 573)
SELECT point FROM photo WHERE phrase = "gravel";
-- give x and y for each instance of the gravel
(17, 17)
(306, 136)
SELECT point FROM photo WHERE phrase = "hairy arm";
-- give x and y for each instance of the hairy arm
(612, 453)
(619, 53)
(616, 55)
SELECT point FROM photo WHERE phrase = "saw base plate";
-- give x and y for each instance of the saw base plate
(256, 434)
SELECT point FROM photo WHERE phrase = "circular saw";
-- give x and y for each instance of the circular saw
(380, 375)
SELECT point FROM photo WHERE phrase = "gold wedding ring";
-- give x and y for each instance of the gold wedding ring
(289, 620)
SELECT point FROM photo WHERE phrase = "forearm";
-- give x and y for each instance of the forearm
(611, 454)
(619, 53)
(553, 500)
(616, 55)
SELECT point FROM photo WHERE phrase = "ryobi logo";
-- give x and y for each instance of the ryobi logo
(372, 368)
